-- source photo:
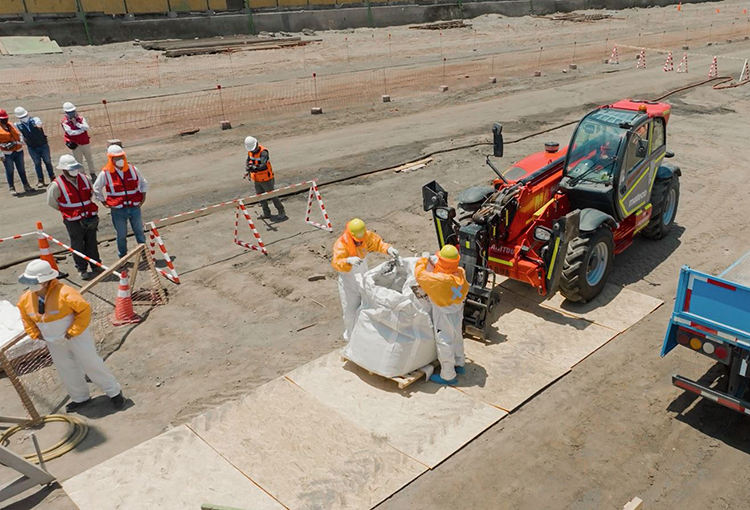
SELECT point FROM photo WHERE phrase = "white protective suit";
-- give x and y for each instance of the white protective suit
(449, 338)
(351, 299)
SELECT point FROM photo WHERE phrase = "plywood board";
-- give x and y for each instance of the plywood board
(615, 308)
(302, 452)
(529, 348)
(34, 45)
(425, 421)
(173, 471)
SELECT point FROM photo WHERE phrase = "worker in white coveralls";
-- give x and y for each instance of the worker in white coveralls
(445, 284)
(349, 254)
(58, 314)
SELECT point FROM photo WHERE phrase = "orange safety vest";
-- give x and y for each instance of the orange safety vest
(254, 159)
(122, 192)
(75, 201)
(11, 138)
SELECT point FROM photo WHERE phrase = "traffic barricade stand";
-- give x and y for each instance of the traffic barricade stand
(155, 238)
(256, 247)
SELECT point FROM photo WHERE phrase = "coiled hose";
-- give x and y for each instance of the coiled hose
(77, 431)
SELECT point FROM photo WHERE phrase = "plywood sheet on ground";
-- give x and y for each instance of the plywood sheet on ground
(173, 471)
(303, 453)
(614, 308)
(425, 421)
(28, 45)
(530, 347)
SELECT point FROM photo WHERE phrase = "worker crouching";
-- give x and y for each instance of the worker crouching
(57, 314)
(445, 284)
(349, 254)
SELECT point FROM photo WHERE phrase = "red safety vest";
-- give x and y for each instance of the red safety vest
(261, 175)
(123, 191)
(81, 139)
(75, 201)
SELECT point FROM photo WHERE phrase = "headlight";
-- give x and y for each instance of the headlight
(443, 213)
(542, 234)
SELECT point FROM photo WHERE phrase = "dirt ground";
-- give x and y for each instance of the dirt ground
(612, 429)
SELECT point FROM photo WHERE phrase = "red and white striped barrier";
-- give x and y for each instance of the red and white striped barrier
(256, 247)
(683, 67)
(76, 252)
(154, 236)
(713, 71)
(314, 192)
(641, 59)
(745, 74)
(614, 58)
(669, 63)
(19, 236)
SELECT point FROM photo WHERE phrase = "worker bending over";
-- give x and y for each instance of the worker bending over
(349, 254)
(58, 314)
(445, 284)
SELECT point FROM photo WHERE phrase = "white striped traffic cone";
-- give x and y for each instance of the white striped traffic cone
(124, 313)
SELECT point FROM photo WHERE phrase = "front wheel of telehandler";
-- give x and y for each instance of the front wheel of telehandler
(588, 263)
(665, 197)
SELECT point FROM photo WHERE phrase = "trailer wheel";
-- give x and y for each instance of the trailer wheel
(588, 263)
(665, 197)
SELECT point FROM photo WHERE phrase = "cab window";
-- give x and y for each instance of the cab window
(636, 150)
(659, 137)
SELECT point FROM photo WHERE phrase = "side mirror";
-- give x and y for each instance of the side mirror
(642, 149)
(669, 154)
(497, 140)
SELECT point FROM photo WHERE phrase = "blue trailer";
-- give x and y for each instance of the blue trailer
(712, 317)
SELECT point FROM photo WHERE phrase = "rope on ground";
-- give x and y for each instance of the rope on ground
(77, 431)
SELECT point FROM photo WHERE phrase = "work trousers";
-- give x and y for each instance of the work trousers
(120, 219)
(265, 187)
(76, 358)
(84, 151)
(83, 238)
(11, 160)
(41, 155)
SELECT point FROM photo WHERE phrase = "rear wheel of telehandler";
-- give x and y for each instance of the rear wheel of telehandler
(665, 197)
(587, 265)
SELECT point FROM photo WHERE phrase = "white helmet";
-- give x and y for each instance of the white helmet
(251, 143)
(68, 162)
(21, 112)
(37, 271)
(115, 150)
(69, 107)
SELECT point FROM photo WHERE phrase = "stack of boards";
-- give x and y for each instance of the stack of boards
(180, 48)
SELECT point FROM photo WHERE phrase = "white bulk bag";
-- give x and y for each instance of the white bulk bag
(393, 334)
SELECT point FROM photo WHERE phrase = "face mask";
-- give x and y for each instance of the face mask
(37, 287)
(4, 121)
(71, 115)
(119, 163)
(72, 173)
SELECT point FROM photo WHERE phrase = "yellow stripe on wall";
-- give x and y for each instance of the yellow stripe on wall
(147, 6)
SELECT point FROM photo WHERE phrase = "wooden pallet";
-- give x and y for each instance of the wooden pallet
(404, 380)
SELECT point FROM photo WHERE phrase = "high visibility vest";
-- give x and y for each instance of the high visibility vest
(12, 138)
(122, 191)
(81, 139)
(75, 202)
(264, 175)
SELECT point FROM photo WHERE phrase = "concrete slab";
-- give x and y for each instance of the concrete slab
(173, 471)
(425, 421)
(303, 453)
(614, 308)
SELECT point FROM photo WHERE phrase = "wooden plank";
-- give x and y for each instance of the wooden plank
(302, 453)
(113, 269)
(634, 504)
(615, 308)
(426, 421)
(174, 471)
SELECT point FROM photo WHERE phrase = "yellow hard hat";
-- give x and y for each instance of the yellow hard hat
(357, 228)
(449, 252)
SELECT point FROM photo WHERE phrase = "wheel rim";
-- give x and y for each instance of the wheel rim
(669, 206)
(597, 264)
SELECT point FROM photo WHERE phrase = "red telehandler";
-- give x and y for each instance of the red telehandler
(556, 219)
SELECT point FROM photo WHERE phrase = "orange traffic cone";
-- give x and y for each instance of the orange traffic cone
(46, 253)
(679, 6)
(124, 313)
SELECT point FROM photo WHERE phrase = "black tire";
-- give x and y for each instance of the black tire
(574, 284)
(657, 227)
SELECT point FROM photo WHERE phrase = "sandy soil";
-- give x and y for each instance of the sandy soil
(619, 428)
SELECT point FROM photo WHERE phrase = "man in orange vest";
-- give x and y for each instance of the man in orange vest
(122, 189)
(445, 284)
(349, 252)
(12, 147)
(71, 193)
(57, 314)
(259, 169)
